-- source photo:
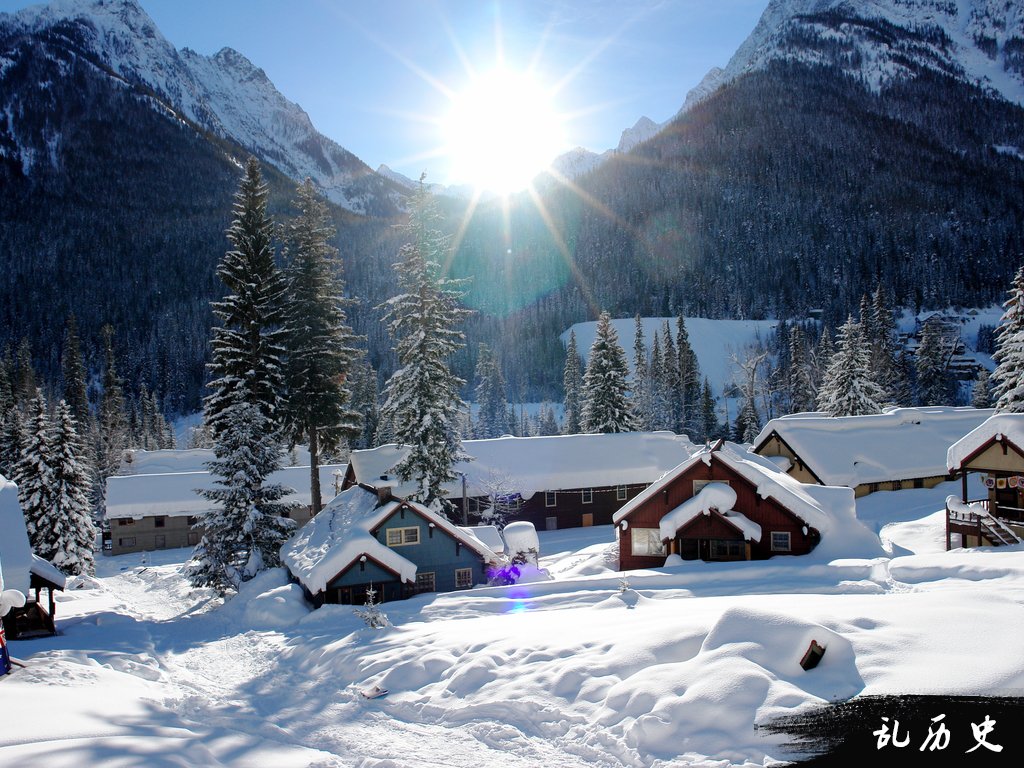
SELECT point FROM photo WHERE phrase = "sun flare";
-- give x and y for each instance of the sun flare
(502, 131)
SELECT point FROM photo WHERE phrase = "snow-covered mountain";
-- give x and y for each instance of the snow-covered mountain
(880, 42)
(224, 94)
(579, 161)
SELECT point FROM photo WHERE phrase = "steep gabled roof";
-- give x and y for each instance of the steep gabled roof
(899, 444)
(1008, 426)
(829, 509)
(529, 465)
(343, 532)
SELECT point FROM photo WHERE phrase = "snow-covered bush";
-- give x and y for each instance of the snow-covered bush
(371, 613)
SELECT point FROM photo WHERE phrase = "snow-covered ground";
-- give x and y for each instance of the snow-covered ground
(573, 671)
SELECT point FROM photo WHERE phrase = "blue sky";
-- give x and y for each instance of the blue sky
(374, 75)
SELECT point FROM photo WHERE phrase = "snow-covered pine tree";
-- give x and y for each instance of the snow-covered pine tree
(492, 418)
(935, 385)
(670, 384)
(849, 388)
(708, 418)
(12, 441)
(113, 431)
(606, 405)
(661, 412)
(365, 398)
(689, 379)
(1008, 377)
(321, 345)
(547, 424)
(885, 348)
(243, 533)
(981, 392)
(572, 383)
(66, 527)
(422, 398)
(247, 348)
(25, 374)
(641, 380)
(800, 383)
(33, 473)
(74, 375)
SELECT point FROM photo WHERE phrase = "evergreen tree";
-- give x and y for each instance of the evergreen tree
(492, 419)
(981, 392)
(321, 351)
(689, 379)
(800, 383)
(12, 442)
(641, 380)
(708, 418)
(1008, 377)
(935, 386)
(547, 424)
(422, 397)
(33, 474)
(572, 383)
(114, 432)
(248, 347)
(885, 349)
(242, 535)
(661, 411)
(748, 422)
(25, 382)
(66, 526)
(848, 388)
(606, 405)
(364, 401)
(74, 375)
(669, 386)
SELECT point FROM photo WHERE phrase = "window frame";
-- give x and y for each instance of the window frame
(463, 578)
(648, 542)
(698, 485)
(621, 493)
(433, 582)
(587, 495)
(402, 540)
(550, 498)
(789, 541)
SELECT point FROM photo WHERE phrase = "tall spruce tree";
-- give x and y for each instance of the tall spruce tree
(849, 388)
(320, 343)
(74, 375)
(670, 383)
(572, 384)
(12, 441)
(66, 526)
(641, 380)
(365, 400)
(421, 399)
(242, 535)
(708, 418)
(935, 385)
(492, 402)
(981, 392)
(606, 404)
(33, 474)
(689, 379)
(800, 383)
(661, 410)
(247, 348)
(1008, 377)
(113, 432)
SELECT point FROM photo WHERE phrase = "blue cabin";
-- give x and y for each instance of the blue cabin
(366, 537)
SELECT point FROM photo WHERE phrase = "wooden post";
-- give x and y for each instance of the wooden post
(963, 480)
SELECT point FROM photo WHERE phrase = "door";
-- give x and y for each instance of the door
(588, 519)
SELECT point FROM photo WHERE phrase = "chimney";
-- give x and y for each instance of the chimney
(383, 494)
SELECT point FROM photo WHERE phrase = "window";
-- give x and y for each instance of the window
(403, 537)
(919, 482)
(161, 541)
(780, 541)
(647, 542)
(698, 485)
(160, 521)
(126, 521)
(127, 541)
(550, 523)
(726, 549)
(192, 520)
(549, 498)
(425, 582)
(588, 495)
(620, 493)
(463, 578)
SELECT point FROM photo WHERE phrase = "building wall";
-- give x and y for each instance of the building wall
(774, 446)
(570, 511)
(997, 458)
(767, 513)
(898, 485)
(155, 532)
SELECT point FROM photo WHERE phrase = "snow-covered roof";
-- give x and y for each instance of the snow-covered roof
(713, 496)
(17, 560)
(528, 465)
(488, 535)
(139, 462)
(899, 444)
(996, 427)
(830, 509)
(341, 533)
(174, 493)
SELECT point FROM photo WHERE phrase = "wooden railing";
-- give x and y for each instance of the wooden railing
(992, 527)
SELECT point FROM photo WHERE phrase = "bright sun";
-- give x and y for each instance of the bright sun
(502, 131)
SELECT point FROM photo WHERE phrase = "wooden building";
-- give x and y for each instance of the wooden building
(367, 537)
(993, 453)
(726, 503)
(562, 481)
(898, 448)
(159, 510)
(26, 572)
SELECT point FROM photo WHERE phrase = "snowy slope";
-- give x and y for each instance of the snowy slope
(225, 94)
(881, 41)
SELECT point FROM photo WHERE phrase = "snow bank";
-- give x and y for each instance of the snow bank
(520, 536)
(269, 601)
(15, 551)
